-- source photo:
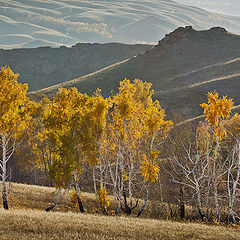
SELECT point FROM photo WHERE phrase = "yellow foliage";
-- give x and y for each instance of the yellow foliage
(103, 198)
(154, 120)
(136, 114)
(74, 199)
(125, 176)
(74, 124)
(15, 107)
(150, 168)
(216, 110)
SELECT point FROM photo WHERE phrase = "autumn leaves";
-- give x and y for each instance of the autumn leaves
(216, 110)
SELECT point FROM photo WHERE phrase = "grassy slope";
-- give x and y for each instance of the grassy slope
(44, 67)
(183, 67)
(53, 23)
(26, 220)
(39, 198)
(27, 224)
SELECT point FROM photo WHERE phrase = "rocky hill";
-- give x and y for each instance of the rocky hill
(182, 67)
(31, 23)
(45, 66)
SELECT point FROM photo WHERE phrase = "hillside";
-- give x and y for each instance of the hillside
(45, 66)
(183, 67)
(54, 23)
(27, 219)
(41, 225)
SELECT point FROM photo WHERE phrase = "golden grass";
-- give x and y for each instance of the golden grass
(26, 224)
(33, 197)
(27, 219)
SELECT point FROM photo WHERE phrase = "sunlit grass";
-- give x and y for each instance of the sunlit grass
(27, 219)
(27, 224)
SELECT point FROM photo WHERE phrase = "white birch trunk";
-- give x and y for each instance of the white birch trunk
(145, 201)
(55, 203)
(215, 182)
(232, 182)
(77, 188)
(4, 171)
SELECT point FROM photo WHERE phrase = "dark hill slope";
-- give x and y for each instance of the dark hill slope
(183, 67)
(45, 66)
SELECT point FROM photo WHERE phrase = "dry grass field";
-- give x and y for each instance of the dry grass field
(27, 224)
(27, 219)
(31, 197)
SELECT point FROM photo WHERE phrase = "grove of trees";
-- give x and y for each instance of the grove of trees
(125, 147)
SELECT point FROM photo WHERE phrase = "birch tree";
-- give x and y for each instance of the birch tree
(190, 161)
(64, 129)
(138, 129)
(216, 111)
(15, 114)
(92, 142)
(156, 129)
(233, 167)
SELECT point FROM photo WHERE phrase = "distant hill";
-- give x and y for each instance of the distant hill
(183, 67)
(43, 67)
(31, 23)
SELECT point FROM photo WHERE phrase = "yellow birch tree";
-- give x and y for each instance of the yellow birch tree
(15, 115)
(216, 111)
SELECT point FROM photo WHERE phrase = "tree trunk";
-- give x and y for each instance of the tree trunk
(55, 203)
(199, 204)
(182, 205)
(115, 199)
(4, 196)
(145, 201)
(207, 196)
(78, 193)
(120, 188)
(115, 188)
(4, 172)
(182, 210)
(216, 202)
(130, 184)
(215, 183)
(80, 204)
(94, 184)
(231, 216)
(126, 208)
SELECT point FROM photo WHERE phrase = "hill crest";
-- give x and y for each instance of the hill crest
(182, 68)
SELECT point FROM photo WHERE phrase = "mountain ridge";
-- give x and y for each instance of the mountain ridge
(45, 66)
(182, 68)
